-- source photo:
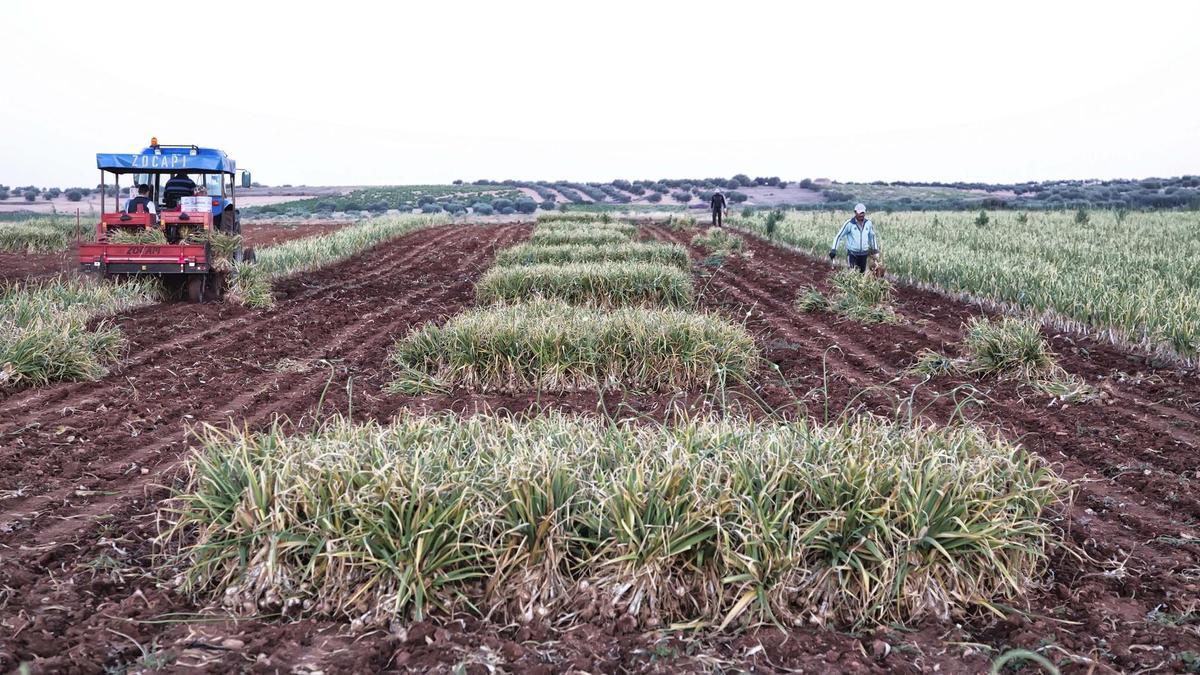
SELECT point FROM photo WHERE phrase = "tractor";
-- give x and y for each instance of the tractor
(169, 233)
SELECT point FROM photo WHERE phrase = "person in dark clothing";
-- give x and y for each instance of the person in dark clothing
(719, 205)
(142, 199)
(179, 186)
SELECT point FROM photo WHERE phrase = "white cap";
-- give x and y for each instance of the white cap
(859, 208)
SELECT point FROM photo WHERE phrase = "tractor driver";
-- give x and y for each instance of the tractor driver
(179, 186)
(142, 199)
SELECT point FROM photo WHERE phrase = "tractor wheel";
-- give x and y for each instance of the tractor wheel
(196, 287)
(228, 222)
(175, 286)
(218, 284)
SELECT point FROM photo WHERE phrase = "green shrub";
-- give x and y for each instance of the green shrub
(576, 217)
(771, 224)
(1007, 346)
(45, 336)
(136, 236)
(719, 242)
(857, 296)
(222, 247)
(604, 284)
(249, 285)
(579, 237)
(715, 523)
(809, 299)
(573, 217)
(931, 363)
(865, 289)
(37, 235)
(550, 345)
(863, 297)
(554, 227)
(681, 222)
(309, 253)
(1014, 348)
(634, 251)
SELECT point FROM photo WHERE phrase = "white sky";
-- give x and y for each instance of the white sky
(410, 92)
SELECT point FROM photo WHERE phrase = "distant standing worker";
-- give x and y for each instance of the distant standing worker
(179, 186)
(859, 234)
(719, 205)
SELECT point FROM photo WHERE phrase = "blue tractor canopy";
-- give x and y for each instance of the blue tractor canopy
(207, 168)
(168, 159)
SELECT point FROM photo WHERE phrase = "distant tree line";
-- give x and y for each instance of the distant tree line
(1182, 192)
(486, 196)
(30, 193)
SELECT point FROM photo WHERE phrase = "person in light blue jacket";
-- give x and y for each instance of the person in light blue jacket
(861, 242)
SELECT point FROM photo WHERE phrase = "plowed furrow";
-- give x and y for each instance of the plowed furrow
(360, 332)
(1115, 499)
(173, 329)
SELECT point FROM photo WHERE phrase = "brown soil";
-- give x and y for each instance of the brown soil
(82, 467)
(267, 234)
(16, 267)
(28, 266)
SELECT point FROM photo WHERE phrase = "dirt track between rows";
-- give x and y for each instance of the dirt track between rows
(82, 467)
